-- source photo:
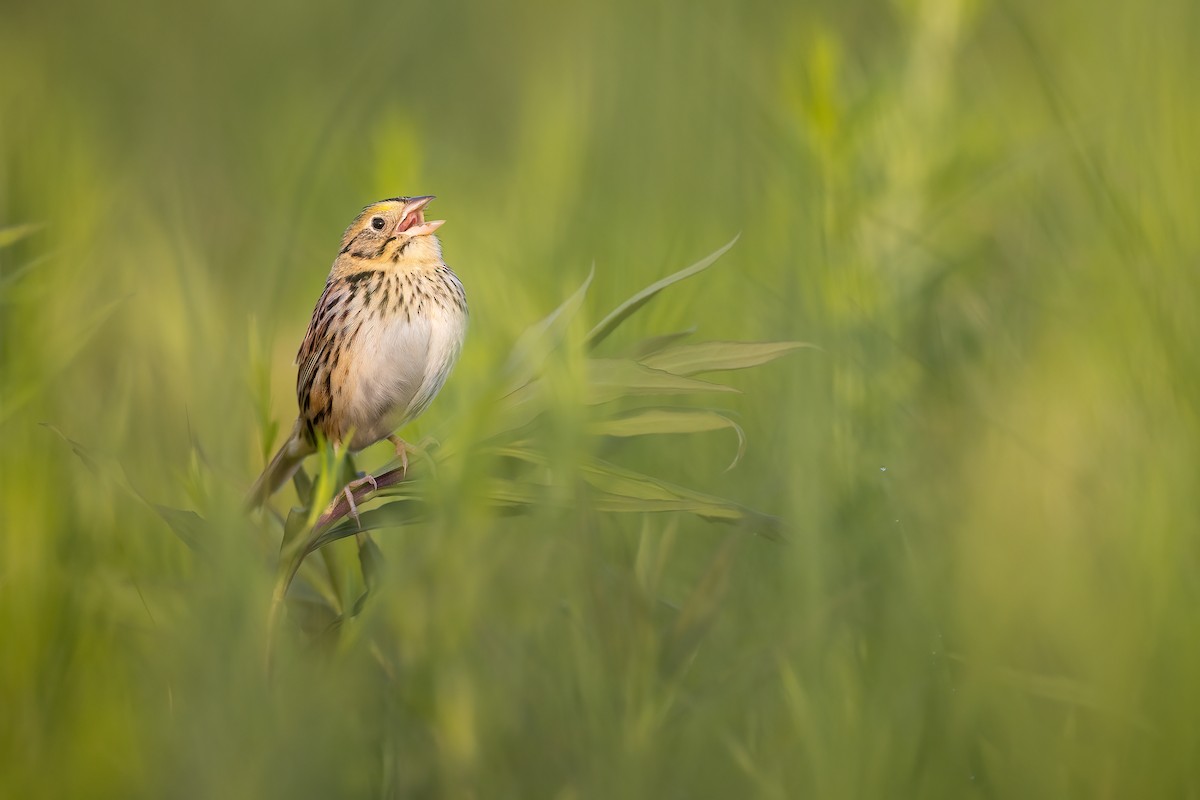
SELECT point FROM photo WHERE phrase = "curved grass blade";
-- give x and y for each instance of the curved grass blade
(541, 337)
(613, 378)
(618, 489)
(11, 277)
(10, 236)
(390, 515)
(657, 343)
(15, 233)
(691, 359)
(622, 312)
(608, 379)
(625, 490)
(649, 421)
(190, 527)
(15, 400)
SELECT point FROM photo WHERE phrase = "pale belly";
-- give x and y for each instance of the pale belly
(398, 368)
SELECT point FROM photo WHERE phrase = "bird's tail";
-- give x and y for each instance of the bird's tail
(282, 467)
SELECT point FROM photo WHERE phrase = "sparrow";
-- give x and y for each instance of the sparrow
(383, 338)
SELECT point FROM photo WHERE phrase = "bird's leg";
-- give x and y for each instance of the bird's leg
(403, 448)
(353, 508)
(349, 492)
(401, 451)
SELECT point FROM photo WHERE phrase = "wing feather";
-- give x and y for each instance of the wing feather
(316, 339)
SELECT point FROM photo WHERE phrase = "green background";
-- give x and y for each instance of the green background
(985, 214)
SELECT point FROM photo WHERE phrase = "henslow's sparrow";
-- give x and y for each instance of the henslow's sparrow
(383, 338)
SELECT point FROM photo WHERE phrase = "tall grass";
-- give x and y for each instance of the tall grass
(984, 214)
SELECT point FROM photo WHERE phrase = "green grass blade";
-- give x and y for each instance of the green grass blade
(625, 490)
(395, 514)
(691, 359)
(613, 378)
(649, 421)
(57, 361)
(15, 233)
(622, 312)
(657, 343)
(189, 526)
(10, 278)
(540, 338)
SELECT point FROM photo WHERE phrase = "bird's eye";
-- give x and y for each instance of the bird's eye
(377, 223)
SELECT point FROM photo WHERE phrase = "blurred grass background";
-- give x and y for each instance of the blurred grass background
(985, 213)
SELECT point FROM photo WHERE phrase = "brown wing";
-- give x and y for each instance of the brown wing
(313, 393)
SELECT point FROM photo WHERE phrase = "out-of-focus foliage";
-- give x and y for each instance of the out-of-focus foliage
(985, 214)
(522, 479)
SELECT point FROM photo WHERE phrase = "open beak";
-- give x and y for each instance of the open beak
(412, 219)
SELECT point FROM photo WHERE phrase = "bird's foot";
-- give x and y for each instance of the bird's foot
(422, 449)
(401, 452)
(349, 492)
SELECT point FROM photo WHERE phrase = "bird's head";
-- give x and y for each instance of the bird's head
(395, 231)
